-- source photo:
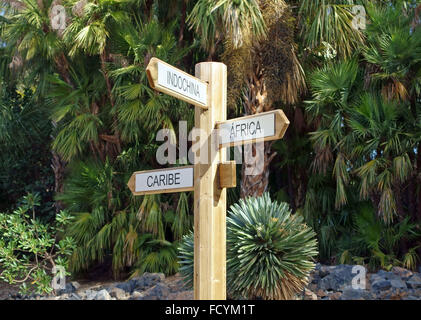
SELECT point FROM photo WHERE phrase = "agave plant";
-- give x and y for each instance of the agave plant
(186, 259)
(269, 251)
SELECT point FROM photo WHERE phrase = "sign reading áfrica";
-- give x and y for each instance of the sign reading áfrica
(266, 126)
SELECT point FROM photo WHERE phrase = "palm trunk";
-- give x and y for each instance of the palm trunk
(113, 146)
(182, 23)
(265, 84)
(255, 168)
(59, 168)
(418, 182)
(255, 176)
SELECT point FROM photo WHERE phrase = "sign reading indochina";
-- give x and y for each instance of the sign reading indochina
(177, 179)
(266, 126)
(167, 79)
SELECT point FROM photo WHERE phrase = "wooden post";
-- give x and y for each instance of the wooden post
(209, 197)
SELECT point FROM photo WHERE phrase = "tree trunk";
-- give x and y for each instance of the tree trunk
(291, 192)
(403, 246)
(418, 189)
(257, 157)
(182, 23)
(148, 9)
(59, 167)
(110, 150)
(255, 173)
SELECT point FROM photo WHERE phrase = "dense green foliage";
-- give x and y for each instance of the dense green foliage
(368, 136)
(25, 158)
(77, 117)
(373, 242)
(31, 252)
(106, 225)
(269, 251)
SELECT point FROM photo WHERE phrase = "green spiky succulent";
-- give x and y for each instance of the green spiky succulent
(186, 259)
(269, 250)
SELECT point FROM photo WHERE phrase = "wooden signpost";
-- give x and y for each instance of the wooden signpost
(208, 179)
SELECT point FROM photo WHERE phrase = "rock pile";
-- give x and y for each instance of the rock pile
(150, 286)
(346, 282)
(341, 282)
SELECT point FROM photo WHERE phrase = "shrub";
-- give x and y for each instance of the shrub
(25, 156)
(269, 251)
(377, 244)
(156, 256)
(109, 223)
(29, 249)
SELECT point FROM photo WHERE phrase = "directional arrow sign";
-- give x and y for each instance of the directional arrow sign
(167, 79)
(176, 179)
(264, 126)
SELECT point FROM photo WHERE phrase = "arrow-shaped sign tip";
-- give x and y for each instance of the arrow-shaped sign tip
(152, 72)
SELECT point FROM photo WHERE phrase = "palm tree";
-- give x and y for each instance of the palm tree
(259, 50)
(393, 53)
(329, 23)
(81, 121)
(360, 136)
(141, 109)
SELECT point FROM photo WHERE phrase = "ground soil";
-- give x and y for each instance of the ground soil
(6, 290)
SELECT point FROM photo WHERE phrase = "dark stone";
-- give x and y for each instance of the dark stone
(74, 296)
(355, 294)
(337, 278)
(103, 295)
(117, 293)
(388, 275)
(67, 290)
(381, 285)
(314, 278)
(90, 294)
(326, 270)
(128, 286)
(159, 292)
(414, 282)
(149, 297)
(398, 284)
(147, 280)
(402, 272)
(375, 278)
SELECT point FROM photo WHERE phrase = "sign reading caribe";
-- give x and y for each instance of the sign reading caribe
(162, 181)
(210, 178)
